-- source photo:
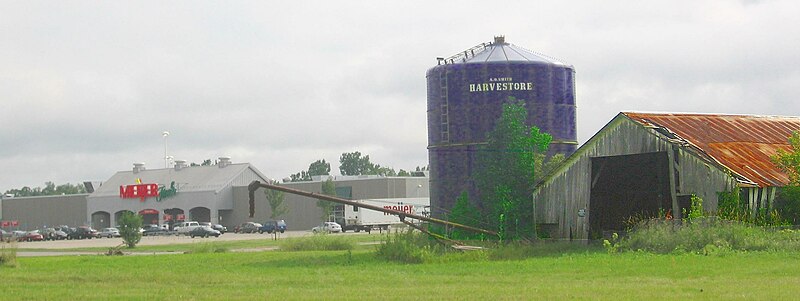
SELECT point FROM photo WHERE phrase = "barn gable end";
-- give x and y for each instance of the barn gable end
(649, 162)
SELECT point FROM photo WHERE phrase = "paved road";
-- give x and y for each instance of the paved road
(150, 240)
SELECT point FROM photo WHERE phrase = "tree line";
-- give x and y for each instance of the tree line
(49, 189)
(350, 164)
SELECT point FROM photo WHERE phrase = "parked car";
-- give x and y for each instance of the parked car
(153, 230)
(273, 226)
(222, 229)
(82, 232)
(108, 232)
(63, 228)
(183, 228)
(328, 227)
(5, 236)
(31, 236)
(204, 231)
(53, 234)
(248, 227)
(18, 235)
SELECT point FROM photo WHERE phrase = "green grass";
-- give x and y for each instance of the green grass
(359, 275)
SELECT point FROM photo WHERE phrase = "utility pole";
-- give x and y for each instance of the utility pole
(166, 158)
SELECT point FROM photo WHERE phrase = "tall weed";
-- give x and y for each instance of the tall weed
(702, 235)
(408, 247)
(317, 242)
(8, 255)
(206, 248)
(414, 247)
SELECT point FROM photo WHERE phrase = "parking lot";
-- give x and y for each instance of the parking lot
(159, 240)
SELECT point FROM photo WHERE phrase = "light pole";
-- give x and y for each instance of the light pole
(166, 158)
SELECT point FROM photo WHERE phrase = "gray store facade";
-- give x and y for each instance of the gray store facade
(216, 193)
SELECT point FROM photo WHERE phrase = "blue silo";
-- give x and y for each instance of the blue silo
(466, 93)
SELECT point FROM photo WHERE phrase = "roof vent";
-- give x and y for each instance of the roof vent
(180, 164)
(137, 167)
(224, 161)
(500, 40)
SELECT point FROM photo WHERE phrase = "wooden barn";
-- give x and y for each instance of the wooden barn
(645, 163)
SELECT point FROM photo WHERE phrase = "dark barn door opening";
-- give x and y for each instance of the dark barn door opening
(627, 186)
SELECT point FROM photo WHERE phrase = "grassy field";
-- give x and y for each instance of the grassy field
(359, 275)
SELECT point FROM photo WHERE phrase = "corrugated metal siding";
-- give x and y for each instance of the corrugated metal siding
(303, 212)
(566, 191)
(742, 143)
(246, 177)
(36, 212)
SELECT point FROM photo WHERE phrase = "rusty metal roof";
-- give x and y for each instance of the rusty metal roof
(742, 143)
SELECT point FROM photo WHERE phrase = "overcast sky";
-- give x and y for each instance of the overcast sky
(87, 88)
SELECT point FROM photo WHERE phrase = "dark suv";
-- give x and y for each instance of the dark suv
(82, 232)
(273, 226)
(248, 227)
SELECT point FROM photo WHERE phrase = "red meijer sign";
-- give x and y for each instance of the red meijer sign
(138, 191)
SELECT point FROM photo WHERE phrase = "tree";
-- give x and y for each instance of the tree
(276, 204)
(68, 188)
(789, 161)
(383, 171)
(353, 164)
(507, 168)
(49, 189)
(788, 202)
(129, 225)
(206, 162)
(328, 188)
(318, 168)
(544, 165)
(300, 177)
(465, 213)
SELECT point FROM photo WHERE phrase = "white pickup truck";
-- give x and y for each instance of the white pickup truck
(183, 228)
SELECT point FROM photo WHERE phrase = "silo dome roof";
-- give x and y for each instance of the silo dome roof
(499, 52)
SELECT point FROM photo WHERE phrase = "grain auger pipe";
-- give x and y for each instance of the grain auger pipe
(256, 184)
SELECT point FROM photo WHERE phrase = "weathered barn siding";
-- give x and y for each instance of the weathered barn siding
(558, 200)
(701, 178)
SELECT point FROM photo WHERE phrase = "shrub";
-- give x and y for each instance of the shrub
(697, 208)
(788, 204)
(612, 246)
(732, 208)
(129, 225)
(317, 242)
